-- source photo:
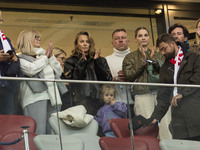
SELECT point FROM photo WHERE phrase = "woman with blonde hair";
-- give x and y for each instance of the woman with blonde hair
(60, 55)
(38, 99)
(85, 63)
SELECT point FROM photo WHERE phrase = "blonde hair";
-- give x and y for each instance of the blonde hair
(76, 51)
(197, 36)
(58, 51)
(107, 88)
(25, 41)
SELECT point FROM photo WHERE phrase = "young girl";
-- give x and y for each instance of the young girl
(111, 109)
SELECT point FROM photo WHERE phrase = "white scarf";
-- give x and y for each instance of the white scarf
(48, 71)
(5, 44)
(177, 61)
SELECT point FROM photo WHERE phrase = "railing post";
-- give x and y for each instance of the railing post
(25, 133)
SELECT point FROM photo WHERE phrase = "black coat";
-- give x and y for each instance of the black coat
(77, 68)
(185, 117)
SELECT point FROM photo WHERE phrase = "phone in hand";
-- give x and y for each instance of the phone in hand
(149, 61)
(9, 52)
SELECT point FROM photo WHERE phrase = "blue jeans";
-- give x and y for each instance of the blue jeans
(110, 134)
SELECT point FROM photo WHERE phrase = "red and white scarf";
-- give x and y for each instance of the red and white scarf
(5, 44)
(176, 62)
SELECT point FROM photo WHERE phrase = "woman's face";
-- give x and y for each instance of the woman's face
(142, 37)
(61, 59)
(36, 42)
(83, 44)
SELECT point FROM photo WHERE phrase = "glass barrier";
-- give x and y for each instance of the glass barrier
(77, 114)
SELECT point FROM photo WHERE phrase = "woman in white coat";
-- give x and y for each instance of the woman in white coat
(38, 99)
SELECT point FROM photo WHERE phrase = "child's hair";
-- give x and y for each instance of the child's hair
(106, 88)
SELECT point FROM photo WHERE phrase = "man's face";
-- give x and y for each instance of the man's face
(177, 33)
(120, 41)
(167, 50)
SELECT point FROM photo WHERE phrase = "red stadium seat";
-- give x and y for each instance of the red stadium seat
(11, 130)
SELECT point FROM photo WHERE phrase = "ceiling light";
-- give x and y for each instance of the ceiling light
(158, 11)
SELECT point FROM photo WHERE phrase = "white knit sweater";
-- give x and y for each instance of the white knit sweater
(115, 61)
(48, 66)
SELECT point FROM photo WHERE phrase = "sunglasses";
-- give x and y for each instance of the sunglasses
(37, 37)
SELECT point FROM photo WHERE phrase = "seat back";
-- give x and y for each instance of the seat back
(10, 123)
(172, 144)
(110, 143)
(152, 142)
(12, 136)
(11, 130)
(149, 131)
(91, 128)
(120, 129)
(52, 142)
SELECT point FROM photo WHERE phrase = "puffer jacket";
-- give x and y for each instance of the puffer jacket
(185, 120)
(136, 70)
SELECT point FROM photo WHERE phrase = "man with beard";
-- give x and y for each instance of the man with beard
(180, 67)
(180, 34)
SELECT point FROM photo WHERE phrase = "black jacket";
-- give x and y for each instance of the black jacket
(9, 69)
(77, 68)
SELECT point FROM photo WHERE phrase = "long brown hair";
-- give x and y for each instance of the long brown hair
(91, 51)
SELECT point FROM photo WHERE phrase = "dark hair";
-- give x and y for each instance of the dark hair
(140, 28)
(178, 25)
(167, 38)
(75, 51)
(118, 30)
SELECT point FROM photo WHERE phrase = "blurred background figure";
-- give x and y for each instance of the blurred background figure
(60, 55)
(196, 46)
(66, 98)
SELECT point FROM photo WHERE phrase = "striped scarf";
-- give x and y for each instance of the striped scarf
(5, 44)
(176, 62)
